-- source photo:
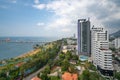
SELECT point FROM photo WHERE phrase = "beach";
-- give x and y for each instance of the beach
(30, 53)
(20, 45)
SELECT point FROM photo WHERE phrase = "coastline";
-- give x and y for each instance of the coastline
(29, 53)
(19, 46)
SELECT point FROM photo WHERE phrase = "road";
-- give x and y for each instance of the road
(35, 73)
(57, 57)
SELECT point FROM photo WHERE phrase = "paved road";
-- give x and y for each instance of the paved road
(57, 57)
(35, 73)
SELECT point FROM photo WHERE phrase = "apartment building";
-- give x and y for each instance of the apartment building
(100, 53)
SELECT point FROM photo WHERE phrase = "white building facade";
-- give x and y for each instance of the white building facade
(100, 52)
(117, 43)
(105, 61)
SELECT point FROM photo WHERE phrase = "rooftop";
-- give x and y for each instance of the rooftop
(69, 76)
(35, 78)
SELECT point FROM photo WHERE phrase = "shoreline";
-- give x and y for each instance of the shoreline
(29, 53)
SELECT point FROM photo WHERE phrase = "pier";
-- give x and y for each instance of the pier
(23, 41)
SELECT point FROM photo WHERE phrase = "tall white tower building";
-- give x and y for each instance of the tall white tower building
(100, 53)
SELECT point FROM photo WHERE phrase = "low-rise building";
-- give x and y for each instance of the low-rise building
(35, 78)
(73, 61)
(19, 64)
(66, 48)
(69, 76)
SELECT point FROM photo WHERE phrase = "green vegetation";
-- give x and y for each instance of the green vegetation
(91, 67)
(47, 57)
(90, 72)
(113, 49)
(44, 75)
(117, 75)
(64, 62)
(30, 64)
(65, 65)
(55, 78)
(86, 75)
(65, 41)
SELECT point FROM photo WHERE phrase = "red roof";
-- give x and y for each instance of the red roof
(69, 76)
(35, 78)
(19, 64)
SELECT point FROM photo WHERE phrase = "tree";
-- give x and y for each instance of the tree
(47, 70)
(90, 76)
(86, 74)
(61, 56)
(65, 65)
(58, 62)
(117, 75)
(54, 78)
(44, 76)
(92, 67)
(2, 78)
(74, 57)
(33, 62)
(72, 69)
(68, 55)
(113, 49)
(94, 76)
(36, 46)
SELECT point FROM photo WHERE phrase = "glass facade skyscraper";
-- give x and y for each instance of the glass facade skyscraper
(83, 37)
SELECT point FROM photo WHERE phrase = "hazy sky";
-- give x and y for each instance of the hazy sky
(56, 17)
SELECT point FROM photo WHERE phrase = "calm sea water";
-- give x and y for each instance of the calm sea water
(19, 45)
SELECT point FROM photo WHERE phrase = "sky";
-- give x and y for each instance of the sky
(56, 18)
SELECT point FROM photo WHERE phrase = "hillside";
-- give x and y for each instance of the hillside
(116, 34)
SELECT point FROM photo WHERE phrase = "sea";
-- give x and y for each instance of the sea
(11, 47)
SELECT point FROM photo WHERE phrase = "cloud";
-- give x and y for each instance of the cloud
(67, 12)
(113, 25)
(117, 2)
(59, 23)
(40, 24)
(36, 1)
(66, 30)
(102, 13)
(38, 5)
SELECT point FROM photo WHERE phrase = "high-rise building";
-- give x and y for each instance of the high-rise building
(83, 37)
(117, 43)
(100, 53)
(104, 64)
(99, 39)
